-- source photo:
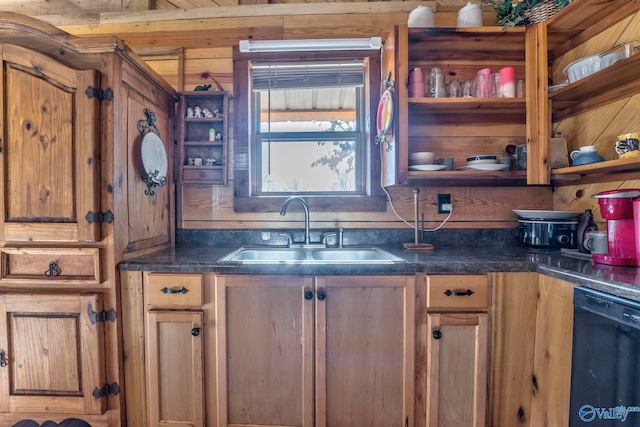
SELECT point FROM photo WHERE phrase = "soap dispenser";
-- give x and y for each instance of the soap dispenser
(586, 224)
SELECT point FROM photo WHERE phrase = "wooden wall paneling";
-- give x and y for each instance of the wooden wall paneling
(578, 197)
(310, 27)
(212, 207)
(513, 320)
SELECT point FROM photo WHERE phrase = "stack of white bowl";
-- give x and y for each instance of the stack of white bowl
(482, 160)
(421, 158)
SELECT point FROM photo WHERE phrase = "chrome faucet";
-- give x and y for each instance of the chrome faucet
(283, 211)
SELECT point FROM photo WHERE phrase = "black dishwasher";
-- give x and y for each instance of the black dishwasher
(605, 371)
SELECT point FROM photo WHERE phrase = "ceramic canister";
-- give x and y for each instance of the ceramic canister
(422, 16)
(470, 16)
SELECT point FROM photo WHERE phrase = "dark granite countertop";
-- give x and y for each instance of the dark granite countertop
(621, 281)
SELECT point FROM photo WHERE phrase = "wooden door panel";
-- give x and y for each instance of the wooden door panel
(364, 351)
(457, 352)
(265, 334)
(54, 354)
(175, 368)
(50, 160)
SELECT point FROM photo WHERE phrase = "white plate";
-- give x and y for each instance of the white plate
(154, 157)
(427, 167)
(485, 167)
(527, 214)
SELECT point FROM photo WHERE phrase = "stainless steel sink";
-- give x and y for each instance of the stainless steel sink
(311, 255)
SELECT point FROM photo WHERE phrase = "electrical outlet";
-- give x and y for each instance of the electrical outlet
(444, 203)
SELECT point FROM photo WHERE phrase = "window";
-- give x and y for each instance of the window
(307, 132)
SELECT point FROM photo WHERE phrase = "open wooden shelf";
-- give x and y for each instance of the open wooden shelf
(468, 105)
(583, 19)
(619, 166)
(617, 81)
(469, 178)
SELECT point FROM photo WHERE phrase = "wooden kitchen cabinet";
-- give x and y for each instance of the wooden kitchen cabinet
(52, 354)
(457, 351)
(570, 28)
(323, 351)
(74, 203)
(456, 127)
(551, 379)
(41, 149)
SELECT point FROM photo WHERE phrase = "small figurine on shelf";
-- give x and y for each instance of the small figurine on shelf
(197, 112)
(190, 112)
(217, 111)
(219, 136)
(206, 113)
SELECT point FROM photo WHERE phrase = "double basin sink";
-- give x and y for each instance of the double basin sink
(310, 254)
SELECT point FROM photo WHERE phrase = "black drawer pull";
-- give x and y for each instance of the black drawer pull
(3, 361)
(308, 295)
(450, 293)
(166, 290)
(195, 332)
(436, 335)
(53, 270)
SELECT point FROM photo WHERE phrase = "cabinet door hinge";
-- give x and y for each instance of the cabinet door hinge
(102, 316)
(102, 95)
(92, 217)
(106, 390)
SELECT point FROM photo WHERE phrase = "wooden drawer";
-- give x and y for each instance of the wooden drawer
(174, 290)
(205, 175)
(59, 265)
(458, 291)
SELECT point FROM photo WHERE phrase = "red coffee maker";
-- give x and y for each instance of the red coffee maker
(616, 207)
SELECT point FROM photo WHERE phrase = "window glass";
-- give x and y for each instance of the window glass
(309, 134)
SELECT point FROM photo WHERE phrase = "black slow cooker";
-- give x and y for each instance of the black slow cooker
(549, 233)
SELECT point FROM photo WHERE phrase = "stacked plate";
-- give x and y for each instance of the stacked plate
(423, 161)
(484, 162)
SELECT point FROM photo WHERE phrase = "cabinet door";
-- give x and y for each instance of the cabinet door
(457, 364)
(265, 359)
(175, 368)
(49, 164)
(364, 351)
(53, 354)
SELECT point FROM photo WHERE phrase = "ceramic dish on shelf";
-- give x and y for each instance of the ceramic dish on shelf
(427, 167)
(493, 167)
(154, 158)
(534, 214)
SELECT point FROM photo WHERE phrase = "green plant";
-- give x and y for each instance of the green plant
(511, 13)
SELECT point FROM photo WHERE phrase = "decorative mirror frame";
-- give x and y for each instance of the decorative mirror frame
(151, 135)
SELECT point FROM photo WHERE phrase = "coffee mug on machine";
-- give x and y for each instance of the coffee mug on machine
(596, 242)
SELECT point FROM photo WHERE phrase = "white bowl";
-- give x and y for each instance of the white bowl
(422, 158)
(482, 160)
(583, 67)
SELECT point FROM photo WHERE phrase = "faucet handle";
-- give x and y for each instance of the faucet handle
(325, 237)
(288, 237)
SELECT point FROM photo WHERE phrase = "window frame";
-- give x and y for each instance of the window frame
(375, 199)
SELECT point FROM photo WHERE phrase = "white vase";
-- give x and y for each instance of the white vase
(422, 16)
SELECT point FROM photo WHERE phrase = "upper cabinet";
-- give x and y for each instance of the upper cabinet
(203, 135)
(574, 28)
(49, 153)
(457, 127)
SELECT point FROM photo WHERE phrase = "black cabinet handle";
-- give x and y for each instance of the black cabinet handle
(3, 361)
(53, 270)
(308, 295)
(437, 335)
(322, 296)
(466, 293)
(166, 290)
(195, 332)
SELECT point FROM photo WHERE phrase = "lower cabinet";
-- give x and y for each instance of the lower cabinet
(174, 350)
(315, 351)
(51, 355)
(457, 349)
